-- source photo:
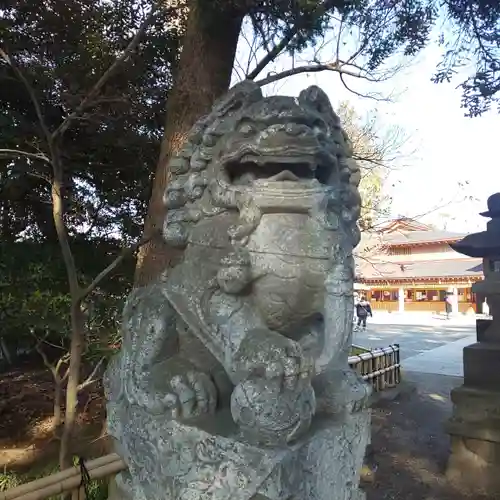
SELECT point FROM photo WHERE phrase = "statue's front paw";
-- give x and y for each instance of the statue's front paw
(179, 394)
(289, 364)
(271, 356)
(192, 394)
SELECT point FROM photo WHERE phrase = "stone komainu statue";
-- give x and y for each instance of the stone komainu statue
(242, 346)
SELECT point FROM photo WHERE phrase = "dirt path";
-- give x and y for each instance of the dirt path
(26, 420)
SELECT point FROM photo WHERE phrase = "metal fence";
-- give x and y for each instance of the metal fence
(381, 367)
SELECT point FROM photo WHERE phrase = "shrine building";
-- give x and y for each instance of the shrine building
(409, 266)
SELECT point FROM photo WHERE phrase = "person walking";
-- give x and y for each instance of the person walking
(356, 301)
(363, 310)
(448, 305)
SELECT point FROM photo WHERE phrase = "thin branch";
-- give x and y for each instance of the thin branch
(27, 154)
(54, 369)
(88, 99)
(45, 341)
(337, 67)
(109, 269)
(279, 47)
(257, 27)
(45, 360)
(31, 92)
(45, 178)
(91, 379)
(339, 37)
(273, 53)
(359, 94)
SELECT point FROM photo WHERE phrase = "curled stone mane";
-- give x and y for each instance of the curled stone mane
(189, 179)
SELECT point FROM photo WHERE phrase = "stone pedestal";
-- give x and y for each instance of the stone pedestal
(475, 439)
(209, 460)
(475, 425)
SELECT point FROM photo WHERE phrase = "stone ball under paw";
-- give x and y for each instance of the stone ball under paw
(269, 413)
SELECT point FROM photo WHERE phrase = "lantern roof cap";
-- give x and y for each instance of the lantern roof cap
(493, 206)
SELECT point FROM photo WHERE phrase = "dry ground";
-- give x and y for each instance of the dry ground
(409, 446)
(26, 420)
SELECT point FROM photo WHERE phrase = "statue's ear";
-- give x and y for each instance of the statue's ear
(315, 98)
(243, 93)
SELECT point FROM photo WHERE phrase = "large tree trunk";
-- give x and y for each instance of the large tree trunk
(203, 75)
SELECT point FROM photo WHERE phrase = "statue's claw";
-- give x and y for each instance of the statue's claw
(290, 365)
(186, 395)
(272, 356)
(193, 394)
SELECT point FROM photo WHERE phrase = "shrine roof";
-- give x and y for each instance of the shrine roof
(376, 269)
(419, 237)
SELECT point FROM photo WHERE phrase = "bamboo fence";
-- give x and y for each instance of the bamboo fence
(381, 367)
(66, 481)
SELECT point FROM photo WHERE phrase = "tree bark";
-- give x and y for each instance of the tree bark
(71, 413)
(58, 395)
(203, 75)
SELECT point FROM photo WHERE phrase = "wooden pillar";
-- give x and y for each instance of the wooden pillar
(401, 299)
(454, 302)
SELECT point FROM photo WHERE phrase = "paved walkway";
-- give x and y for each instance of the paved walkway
(444, 360)
(413, 339)
(421, 319)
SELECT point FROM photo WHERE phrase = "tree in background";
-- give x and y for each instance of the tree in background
(112, 143)
(378, 152)
(472, 43)
(78, 125)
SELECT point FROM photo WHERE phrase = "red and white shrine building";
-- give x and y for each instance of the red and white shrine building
(409, 266)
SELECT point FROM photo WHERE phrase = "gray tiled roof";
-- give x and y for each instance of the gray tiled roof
(380, 269)
(398, 238)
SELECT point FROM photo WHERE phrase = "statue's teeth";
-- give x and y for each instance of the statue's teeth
(285, 175)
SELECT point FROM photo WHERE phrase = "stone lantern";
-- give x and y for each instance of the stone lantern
(475, 424)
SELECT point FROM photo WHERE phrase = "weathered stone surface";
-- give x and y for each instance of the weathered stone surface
(232, 380)
(481, 362)
(200, 461)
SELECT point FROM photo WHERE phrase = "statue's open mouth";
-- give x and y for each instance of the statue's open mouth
(286, 169)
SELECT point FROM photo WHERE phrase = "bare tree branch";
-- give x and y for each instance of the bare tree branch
(27, 154)
(54, 369)
(292, 31)
(109, 269)
(273, 53)
(34, 100)
(91, 379)
(337, 67)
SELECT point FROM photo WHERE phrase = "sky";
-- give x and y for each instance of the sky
(448, 164)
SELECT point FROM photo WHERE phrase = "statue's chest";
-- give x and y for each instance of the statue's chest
(291, 235)
(290, 256)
